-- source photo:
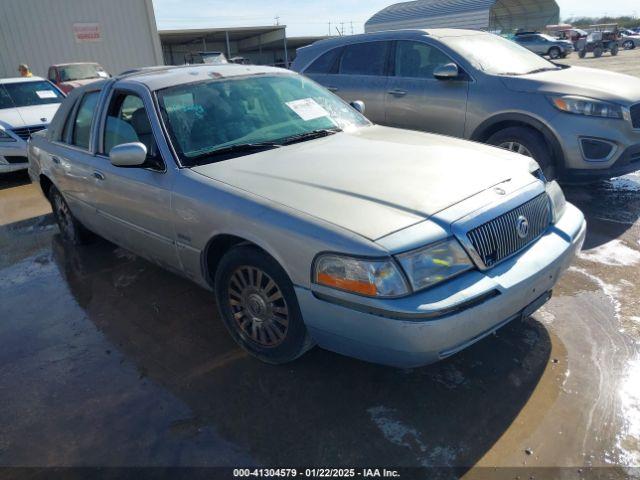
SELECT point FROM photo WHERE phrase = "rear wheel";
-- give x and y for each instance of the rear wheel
(597, 52)
(628, 45)
(582, 53)
(71, 229)
(528, 142)
(259, 307)
(554, 53)
(614, 49)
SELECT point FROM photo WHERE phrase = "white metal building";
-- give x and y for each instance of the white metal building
(118, 34)
(491, 15)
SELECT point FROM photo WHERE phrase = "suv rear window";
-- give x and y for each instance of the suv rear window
(324, 63)
(364, 59)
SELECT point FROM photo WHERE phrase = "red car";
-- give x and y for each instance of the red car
(67, 76)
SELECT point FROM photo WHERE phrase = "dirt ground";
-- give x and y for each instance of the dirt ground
(627, 61)
(107, 360)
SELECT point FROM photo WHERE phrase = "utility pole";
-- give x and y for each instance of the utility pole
(351, 28)
(341, 28)
(277, 19)
(329, 28)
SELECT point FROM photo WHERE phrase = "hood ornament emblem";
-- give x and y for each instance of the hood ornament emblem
(522, 226)
(500, 191)
(43, 119)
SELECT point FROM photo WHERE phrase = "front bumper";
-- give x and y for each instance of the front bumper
(570, 130)
(11, 154)
(436, 323)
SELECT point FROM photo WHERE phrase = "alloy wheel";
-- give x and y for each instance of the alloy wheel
(258, 306)
(516, 147)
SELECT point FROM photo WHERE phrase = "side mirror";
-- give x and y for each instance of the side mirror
(358, 105)
(448, 71)
(132, 154)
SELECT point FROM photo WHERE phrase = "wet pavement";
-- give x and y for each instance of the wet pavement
(107, 360)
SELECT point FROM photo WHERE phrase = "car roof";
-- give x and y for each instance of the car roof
(157, 78)
(74, 63)
(21, 79)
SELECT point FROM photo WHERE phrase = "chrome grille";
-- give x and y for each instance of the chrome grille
(26, 132)
(498, 239)
(635, 115)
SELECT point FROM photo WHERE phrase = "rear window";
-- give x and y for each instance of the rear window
(27, 94)
(364, 59)
(325, 62)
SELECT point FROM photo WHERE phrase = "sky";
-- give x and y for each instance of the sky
(307, 17)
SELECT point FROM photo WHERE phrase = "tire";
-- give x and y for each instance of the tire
(597, 52)
(271, 329)
(71, 230)
(554, 53)
(628, 45)
(582, 53)
(532, 140)
(614, 50)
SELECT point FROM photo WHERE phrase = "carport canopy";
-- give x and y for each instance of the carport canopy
(493, 15)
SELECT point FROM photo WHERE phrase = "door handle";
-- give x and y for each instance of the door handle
(332, 89)
(55, 159)
(98, 175)
(397, 92)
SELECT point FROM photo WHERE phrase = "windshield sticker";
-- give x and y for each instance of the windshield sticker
(103, 74)
(46, 94)
(307, 109)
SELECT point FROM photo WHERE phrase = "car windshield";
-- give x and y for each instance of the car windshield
(27, 94)
(498, 56)
(81, 72)
(241, 115)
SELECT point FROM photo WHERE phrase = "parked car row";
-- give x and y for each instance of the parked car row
(27, 105)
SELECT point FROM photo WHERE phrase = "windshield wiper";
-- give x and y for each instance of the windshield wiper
(237, 148)
(301, 137)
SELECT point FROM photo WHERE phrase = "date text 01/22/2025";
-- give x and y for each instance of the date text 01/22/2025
(316, 472)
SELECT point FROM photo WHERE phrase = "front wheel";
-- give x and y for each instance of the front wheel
(259, 307)
(614, 50)
(528, 142)
(582, 53)
(628, 45)
(71, 229)
(597, 52)
(554, 53)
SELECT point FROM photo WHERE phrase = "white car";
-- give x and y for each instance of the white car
(27, 105)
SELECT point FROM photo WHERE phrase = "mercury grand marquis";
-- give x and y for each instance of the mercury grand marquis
(311, 225)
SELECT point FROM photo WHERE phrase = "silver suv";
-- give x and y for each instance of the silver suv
(544, 44)
(580, 124)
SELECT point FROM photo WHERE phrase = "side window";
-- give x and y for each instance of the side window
(82, 124)
(325, 62)
(417, 60)
(127, 121)
(364, 59)
(52, 75)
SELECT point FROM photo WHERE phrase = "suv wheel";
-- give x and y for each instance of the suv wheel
(628, 45)
(71, 229)
(259, 307)
(554, 53)
(526, 141)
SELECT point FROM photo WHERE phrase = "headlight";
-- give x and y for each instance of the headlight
(587, 106)
(434, 263)
(5, 137)
(373, 278)
(558, 201)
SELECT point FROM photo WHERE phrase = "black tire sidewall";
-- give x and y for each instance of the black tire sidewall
(78, 234)
(533, 140)
(557, 51)
(296, 341)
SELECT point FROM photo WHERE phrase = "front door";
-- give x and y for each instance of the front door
(416, 100)
(135, 202)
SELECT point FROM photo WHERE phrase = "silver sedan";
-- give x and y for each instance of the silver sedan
(310, 224)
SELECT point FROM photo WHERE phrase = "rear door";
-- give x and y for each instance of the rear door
(416, 100)
(361, 73)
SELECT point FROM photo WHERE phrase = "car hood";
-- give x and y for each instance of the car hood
(27, 116)
(587, 82)
(373, 181)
